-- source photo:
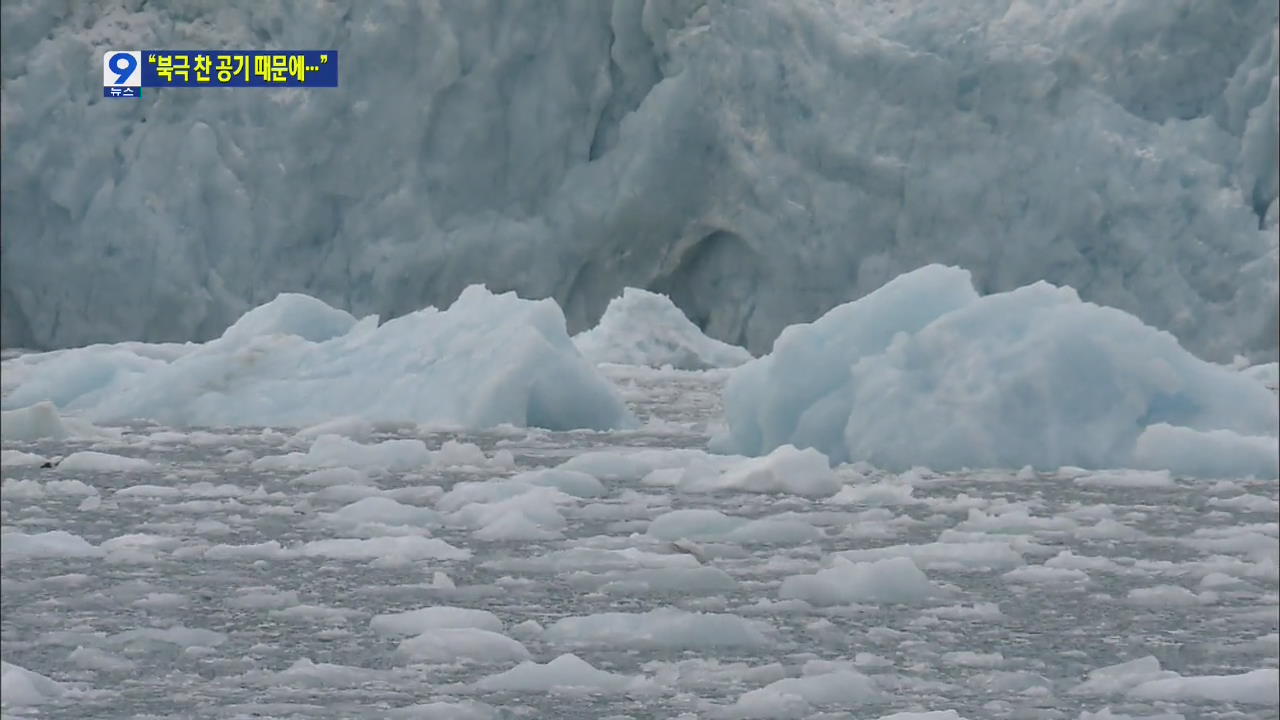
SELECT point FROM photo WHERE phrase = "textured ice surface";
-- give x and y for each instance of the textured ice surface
(924, 371)
(644, 328)
(759, 162)
(208, 585)
(486, 360)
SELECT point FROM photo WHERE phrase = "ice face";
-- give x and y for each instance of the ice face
(760, 163)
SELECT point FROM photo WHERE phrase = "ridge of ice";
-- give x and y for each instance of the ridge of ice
(488, 359)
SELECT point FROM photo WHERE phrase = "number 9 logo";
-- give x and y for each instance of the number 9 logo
(121, 68)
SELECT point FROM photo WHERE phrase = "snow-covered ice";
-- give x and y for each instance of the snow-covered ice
(644, 328)
(486, 360)
(926, 371)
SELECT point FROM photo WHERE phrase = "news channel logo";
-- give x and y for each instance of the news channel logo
(126, 72)
(122, 74)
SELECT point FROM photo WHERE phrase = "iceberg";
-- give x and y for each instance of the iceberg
(927, 371)
(644, 328)
(760, 162)
(486, 360)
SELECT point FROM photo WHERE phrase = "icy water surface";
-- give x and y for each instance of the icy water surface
(205, 585)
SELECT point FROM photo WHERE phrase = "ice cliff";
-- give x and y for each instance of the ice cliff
(760, 162)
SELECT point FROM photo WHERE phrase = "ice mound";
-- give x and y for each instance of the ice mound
(645, 328)
(565, 673)
(892, 580)
(20, 686)
(925, 371)
(50, 544)
(414, 622)
(796, 697)
(1257, 687)
(42, 421)
(993, 555)
(784, 470)
(706, 524)
(488, 359)
(93, 461)
(664, 628)
(450, 645)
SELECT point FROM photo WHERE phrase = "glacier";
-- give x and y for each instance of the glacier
(487, 360)
(925, 371)
(761, 163)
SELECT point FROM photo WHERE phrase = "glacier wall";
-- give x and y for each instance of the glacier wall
(759, 162)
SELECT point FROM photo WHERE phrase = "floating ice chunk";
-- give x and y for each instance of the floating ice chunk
(305, 673)
(923, 371)
(578, 484)
(442, 710)
(269, 550)
(148, 491)
(1163, 596)
(25, 489)
(1257, 687)
(514, 526)
(1115, 679)
(877, 494)
(487, 360)
(353, 428)
(784, 470)
(17, 458)
(327, 477)
(662, 628)
(993, 555)
(1212, 453)
(533, 514)
(91, 461)
(704, 580)
(892, 580)
(646, 328)
(51, 544)
(613, 466)
(32, 423)
(266, 598)
(20, 686)
(383, 511)
(91, 658)
(178, 635)
(449, 645)
(1126, 479)
(596, 559)
(566, 672)
(702, 524)
(414, 622)
(338, 451)
(968, 658)
(42, 421)
(927, 715)
(1036, 574)
(390, 549)
(458, 454)
(797, 697)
